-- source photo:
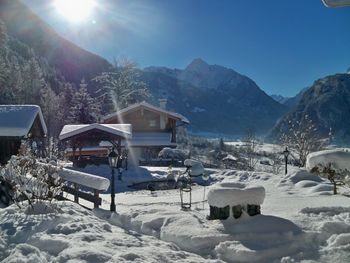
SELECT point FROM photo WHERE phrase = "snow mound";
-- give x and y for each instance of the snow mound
(330, 211)
(340, 159)
(302, 175)
(77, 235)
(41, 207)
(232, 194)
(261, 239)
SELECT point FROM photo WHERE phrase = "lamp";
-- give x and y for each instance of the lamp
(113, 163)
(286, 154)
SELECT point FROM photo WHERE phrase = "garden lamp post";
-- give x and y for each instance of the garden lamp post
(113, 163)
(286, 154)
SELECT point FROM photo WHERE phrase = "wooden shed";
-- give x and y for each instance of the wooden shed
(17, 123)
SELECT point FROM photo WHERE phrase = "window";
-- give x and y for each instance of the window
(152, 123)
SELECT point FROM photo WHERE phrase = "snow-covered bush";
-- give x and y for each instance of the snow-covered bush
(333, 164)
(27, 179)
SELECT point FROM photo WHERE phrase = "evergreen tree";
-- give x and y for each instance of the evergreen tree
(49, 103)
(3, 35)
(33, 82)
(84, 109)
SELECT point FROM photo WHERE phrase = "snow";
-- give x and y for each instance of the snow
(195, 167)
(232, 194)
(17, 120)
(70, 233)
(85, 179)
(338, 158)
(230, 157)
(170, 153)
(68, 131)
(299, 223)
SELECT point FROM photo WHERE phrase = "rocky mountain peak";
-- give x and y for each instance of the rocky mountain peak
(198, 65)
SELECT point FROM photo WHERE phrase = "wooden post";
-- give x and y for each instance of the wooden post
(76, 197)
(96, 195)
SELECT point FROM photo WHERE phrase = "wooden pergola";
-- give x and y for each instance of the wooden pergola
(81, 135)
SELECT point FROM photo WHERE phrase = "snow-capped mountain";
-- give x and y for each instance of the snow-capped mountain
(215, 98)
(279, 98)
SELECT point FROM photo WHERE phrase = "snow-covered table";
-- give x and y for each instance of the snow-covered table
(239, 197)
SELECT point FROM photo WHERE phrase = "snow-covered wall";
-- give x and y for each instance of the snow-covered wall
(339, 159)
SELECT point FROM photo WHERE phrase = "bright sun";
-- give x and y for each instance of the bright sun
(75, 10)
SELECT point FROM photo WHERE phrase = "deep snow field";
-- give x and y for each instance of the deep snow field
(301, 221)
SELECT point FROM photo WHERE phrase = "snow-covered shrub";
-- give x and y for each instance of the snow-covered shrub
(30, 180)
(333, 164)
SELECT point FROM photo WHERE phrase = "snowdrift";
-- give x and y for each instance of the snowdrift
(339, 159)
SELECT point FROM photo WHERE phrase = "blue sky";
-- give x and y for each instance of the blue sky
(283, 45)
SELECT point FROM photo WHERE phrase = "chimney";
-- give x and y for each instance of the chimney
(162, 103)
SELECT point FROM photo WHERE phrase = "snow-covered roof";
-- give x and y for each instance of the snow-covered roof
(146, 139)
(17, 120)
(123, 130)
(224, 194)
(150, 107)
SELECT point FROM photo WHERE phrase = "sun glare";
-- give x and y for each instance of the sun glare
(75, 10)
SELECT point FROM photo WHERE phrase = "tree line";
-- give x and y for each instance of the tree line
(28, 78)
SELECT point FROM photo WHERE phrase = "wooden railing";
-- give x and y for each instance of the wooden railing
(76, 181)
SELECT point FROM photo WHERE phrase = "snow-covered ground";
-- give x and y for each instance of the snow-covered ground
(301, 221)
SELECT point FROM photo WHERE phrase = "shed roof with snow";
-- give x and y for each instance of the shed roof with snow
(150, 107)
(21, 121)
(71, 131)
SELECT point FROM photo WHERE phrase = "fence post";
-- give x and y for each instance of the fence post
(96, 195)
(76, 197)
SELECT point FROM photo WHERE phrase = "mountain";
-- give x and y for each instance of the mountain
(279, 98)
(327, 103)
(293, 101)
(73, 62)
(216, 99)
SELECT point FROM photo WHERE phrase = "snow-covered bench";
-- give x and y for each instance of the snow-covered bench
(238, 197)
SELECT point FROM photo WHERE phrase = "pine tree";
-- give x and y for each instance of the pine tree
(3, 35)
(33, 82)
(84, 109)
(49, 103)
